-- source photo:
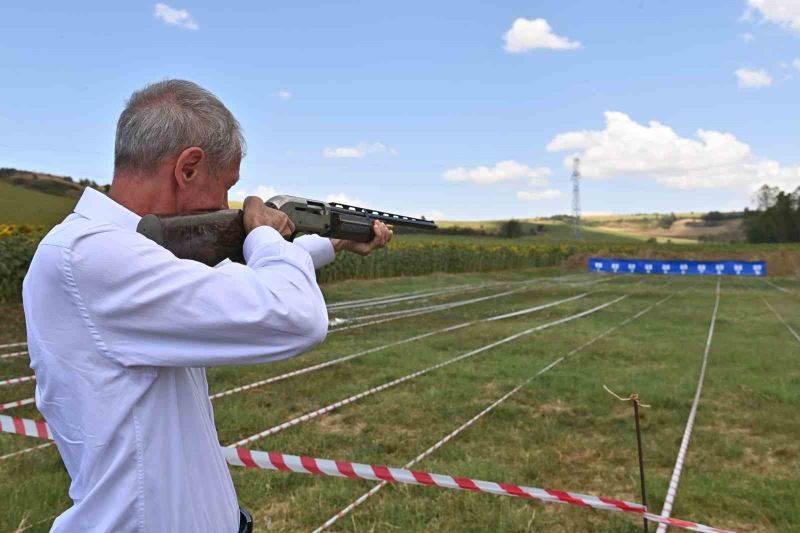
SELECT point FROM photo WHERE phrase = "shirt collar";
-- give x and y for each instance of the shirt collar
(95, 205)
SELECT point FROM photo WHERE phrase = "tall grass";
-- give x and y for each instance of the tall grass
(17, 245)
(415, 258)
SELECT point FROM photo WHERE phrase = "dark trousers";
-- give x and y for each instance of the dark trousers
(245, 521)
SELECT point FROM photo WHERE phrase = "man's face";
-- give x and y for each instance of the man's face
(207, 191)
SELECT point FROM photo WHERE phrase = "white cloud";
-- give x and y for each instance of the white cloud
(536, 196)
(655, 151)
(747, 37)
(175, 17)
(785, 13)
(238, 194)
(284, 95)
(753, 78)
(358, 151)
(342, 198)
(532, 34)
(796, 63)
(502, 171)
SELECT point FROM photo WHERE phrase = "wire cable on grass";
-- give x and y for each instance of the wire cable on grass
(26, 450)
(782, 289)
(13, 344)
(403, 297)
(426, 310)
(447, 305)
(414, 295)
(434, 307)
(364, 497)
(374, 390)
(442, 307)
(345, 358)
(790, 328)
(339, 360)
(666, 510)
(13, 354)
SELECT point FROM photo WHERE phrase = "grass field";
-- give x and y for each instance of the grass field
(19, 205)
(563, 431)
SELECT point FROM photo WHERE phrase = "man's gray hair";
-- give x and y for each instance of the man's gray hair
(164, 118)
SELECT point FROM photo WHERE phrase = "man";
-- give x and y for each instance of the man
(120, 330)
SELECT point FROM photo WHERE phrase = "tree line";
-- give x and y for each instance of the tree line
(776, 217)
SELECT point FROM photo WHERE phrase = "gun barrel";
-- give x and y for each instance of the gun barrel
(383, 216)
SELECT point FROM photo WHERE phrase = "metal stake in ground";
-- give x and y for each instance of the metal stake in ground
(634, 399)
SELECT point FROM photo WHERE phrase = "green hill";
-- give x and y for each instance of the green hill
(36, 198)
(20, 205)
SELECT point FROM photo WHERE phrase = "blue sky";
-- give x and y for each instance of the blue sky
(399, 105)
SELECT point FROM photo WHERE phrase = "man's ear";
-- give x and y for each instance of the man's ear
(188, 165)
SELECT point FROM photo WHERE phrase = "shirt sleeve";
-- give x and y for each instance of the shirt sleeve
(146, 307)
(319, 248)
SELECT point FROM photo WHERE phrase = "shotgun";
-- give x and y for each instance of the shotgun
(212, 236)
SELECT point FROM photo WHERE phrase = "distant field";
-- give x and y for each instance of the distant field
(553, 234)
(561, 231)
(689, 228)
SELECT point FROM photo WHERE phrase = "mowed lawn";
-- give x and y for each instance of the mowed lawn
(562, 431)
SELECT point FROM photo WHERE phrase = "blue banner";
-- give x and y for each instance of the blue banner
(678, 267)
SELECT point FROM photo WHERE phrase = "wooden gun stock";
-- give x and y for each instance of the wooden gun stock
(212, 236)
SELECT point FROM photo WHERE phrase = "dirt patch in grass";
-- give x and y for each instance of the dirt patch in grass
(336, 423)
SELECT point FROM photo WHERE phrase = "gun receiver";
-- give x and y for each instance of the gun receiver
(212, 236)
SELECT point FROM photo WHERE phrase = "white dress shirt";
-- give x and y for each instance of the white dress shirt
(120, 332)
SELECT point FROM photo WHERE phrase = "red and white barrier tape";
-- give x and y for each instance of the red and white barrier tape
(16, 381)
(17, 403)
(13, 354)
(25, 426)
(790, 328)
(313, 414)
(345, 469)
(345, 358)
(12, 344)
(364, 497)
(672, 490)
(308, 465)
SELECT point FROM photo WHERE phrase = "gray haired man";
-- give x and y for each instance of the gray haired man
(120, 331)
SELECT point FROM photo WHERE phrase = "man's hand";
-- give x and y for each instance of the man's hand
(382, 237)
(256, 214)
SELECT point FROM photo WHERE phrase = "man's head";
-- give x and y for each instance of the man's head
(178, 149)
